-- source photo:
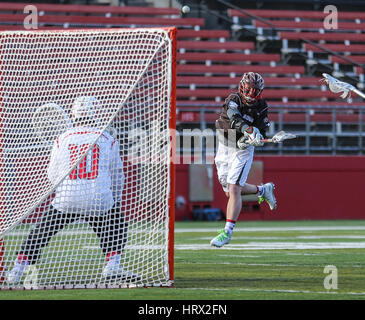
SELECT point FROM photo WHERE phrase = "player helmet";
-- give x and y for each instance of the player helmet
(250, 87)
(85, 107)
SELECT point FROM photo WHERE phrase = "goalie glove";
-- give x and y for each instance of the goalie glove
(253, 137)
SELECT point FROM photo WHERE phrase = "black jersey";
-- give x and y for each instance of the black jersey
(236, 114)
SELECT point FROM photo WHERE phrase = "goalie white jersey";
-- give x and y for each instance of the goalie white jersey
(96, 183)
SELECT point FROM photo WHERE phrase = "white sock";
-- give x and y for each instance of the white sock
(260, 191)
(229, 226)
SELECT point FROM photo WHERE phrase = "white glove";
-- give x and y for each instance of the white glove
(242, 143)
(253, 137)
(276, 139)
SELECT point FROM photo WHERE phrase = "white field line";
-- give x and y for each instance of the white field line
(331, 237)
(194, 230)
(246, 264)
(279, 291)
(258, 229)
(291, 238)
(251, 246)
(256, 264)
(276, 246)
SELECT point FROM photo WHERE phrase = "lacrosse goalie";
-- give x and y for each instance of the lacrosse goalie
(240, 128)
(91, 192)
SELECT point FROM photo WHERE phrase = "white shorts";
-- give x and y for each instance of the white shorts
(233, 165)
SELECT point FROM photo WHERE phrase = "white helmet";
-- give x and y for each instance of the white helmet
(85, 107)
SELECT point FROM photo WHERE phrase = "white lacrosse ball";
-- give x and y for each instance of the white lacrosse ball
(185, 9)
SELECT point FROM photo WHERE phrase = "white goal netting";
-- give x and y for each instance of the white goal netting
(85, 158)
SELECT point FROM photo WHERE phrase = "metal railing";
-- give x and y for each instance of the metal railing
(320, 129)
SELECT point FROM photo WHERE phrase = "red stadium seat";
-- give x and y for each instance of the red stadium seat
(104, 20)
(215, 45)
(298, 117)
(228, 57)
(239, 69)
(269, 81)
(287, 14)
(327, 36)
(90, 9)
(269, 93)
(208, 34)
(304, 104)
(358, 48)
(307, 25)
(336, 59)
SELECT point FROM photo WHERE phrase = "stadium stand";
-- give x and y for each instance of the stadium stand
(212, 58)
(94, 15)
(310, 108)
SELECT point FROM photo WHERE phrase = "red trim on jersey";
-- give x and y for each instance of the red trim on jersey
(110, 254)
(22, 257)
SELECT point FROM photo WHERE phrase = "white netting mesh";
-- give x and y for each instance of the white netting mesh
(84, 158)
(337, 86)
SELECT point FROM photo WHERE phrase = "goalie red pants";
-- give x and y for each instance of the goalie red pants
(109, 227)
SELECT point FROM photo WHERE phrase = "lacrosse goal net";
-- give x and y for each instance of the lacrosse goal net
(130, 74)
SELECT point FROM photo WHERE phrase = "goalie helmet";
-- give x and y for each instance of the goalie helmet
(85, 107)
(250, 87)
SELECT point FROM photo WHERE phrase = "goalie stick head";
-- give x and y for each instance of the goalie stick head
(250, 87)
(49, 121)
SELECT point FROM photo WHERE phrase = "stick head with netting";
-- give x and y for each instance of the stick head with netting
(337, 86)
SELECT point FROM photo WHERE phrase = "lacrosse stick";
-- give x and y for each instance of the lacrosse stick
(338, 86)
(277, 138)
(280, 137)
(49, 121)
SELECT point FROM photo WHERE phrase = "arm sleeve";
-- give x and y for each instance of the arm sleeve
(117, 173)
(236, 119)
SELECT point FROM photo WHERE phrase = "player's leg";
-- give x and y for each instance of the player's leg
(46, 227)
(239, 165)
(112, 230)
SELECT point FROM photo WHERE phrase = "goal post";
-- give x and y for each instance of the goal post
(87, 131)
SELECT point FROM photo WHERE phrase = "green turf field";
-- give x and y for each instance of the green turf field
(265, 260)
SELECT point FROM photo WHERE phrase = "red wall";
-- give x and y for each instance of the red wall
(307, 187)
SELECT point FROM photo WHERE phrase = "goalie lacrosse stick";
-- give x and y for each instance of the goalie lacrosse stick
(280, 137)
(49, 121)
(338, 86)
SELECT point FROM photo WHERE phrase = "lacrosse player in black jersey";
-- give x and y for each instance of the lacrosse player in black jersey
(240, 128)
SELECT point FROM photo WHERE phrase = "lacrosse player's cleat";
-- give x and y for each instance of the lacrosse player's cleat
(268, 195)
(224, 237)
(113, 270)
